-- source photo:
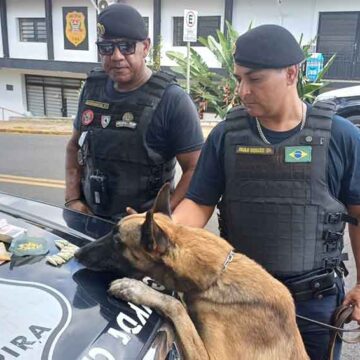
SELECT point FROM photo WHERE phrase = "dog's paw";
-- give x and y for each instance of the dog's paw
(131, 290)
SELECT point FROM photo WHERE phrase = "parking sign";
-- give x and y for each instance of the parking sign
(190, 26)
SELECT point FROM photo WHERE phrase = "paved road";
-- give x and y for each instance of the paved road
(29, 162)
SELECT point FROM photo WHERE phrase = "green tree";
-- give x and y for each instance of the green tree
(219, 91)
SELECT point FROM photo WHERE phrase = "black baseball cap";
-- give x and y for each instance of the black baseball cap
(267, 46)
(121, 21)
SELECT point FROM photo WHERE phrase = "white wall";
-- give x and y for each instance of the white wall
(171, 9)
(1, 43)
(299, 17)
(62, 54)
(24, 9)
(12, 100)
(145, 8)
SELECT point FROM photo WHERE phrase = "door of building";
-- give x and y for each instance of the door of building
(52, 96)
(339, 32)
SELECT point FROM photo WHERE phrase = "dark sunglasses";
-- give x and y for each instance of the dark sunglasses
(108, 47)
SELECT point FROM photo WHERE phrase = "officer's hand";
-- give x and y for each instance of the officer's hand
(79, 205)
(353, 298)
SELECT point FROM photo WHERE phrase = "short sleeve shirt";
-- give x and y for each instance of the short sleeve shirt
(208, 181)
(175, 126)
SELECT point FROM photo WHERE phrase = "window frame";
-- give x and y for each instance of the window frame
(178, 29)
(37, 36)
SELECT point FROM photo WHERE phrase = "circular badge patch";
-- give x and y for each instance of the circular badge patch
(87, 117)
(128, 117)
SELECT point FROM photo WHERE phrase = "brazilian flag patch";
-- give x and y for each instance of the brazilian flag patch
(297, 154)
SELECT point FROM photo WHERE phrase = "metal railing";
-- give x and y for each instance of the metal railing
(3, 109)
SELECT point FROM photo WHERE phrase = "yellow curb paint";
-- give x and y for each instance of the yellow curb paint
(12, 179)
(16, 177)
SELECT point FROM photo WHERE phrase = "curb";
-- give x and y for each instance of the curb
(41, 132)
(206, 127)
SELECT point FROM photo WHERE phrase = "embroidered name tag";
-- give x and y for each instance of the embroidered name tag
(298, 154)
(254, 150)
(97, 104)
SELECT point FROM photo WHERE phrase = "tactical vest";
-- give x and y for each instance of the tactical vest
(276, 207)
(119, 169)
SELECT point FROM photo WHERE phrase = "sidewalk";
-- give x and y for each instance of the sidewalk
(65, 126)
(37, 126)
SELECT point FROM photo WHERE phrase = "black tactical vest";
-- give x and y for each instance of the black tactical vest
(119, 169)
(276, 207)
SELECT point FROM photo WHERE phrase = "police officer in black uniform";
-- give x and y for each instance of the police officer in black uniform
(131, 127)
(285, 176)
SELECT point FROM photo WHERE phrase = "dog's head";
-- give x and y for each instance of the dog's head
(105, 254)
(140, 236)
(144, 241)
(179, 257)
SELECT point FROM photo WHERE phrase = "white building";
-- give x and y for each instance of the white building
(42, 63)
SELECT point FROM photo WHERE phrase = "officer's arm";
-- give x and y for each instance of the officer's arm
(187, 162)
(354, 232)
(190, 213)
(73, 175)
(353, 297)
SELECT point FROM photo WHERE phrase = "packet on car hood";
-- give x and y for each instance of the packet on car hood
(4, 255)
(29, 245)
(9, 231)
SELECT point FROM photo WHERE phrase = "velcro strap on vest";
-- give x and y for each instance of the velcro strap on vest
(320, 111)
(335, 218)
(97, 73)
(236, 113)
(161, 80)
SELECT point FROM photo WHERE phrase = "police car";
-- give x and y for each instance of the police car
(347, 102)
(64, 312)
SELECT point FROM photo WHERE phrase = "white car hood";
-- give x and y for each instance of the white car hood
(340, 93)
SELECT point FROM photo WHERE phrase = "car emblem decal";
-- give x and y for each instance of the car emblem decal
(87, 117)
(105, 120)
(37, 313)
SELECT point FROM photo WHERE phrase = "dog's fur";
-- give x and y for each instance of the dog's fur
(234, 312)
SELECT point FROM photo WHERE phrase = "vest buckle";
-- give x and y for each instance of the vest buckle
(334, 218)
(332, 236)
(331, 263)
(331, 246)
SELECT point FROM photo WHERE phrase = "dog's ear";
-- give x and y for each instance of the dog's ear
(152, 237)
(162, 201)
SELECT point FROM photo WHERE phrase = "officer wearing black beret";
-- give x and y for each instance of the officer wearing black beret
(285, 176)
(131, 126)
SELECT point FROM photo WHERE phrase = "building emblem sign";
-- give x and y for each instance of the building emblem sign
(75, 28)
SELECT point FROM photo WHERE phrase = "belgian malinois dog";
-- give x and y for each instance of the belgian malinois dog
(233, 308)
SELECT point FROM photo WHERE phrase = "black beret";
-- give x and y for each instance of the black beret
(121, 21)
(267, 46)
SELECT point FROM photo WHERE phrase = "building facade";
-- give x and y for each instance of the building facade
(48, 46)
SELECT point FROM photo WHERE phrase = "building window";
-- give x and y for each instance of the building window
(52, 96)
(146, 21)
(207, 25)
(32, 29)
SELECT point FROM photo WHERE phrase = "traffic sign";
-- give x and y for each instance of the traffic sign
(190, 25)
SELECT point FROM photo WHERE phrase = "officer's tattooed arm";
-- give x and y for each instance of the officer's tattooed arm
(353, 296)
(73, 176)
(187, 162)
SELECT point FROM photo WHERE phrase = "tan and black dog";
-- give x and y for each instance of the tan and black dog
(234, 308)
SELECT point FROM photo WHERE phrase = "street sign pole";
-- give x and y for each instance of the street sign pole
(189, 35)
(188, 69)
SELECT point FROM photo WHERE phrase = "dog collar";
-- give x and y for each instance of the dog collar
(228, 260)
